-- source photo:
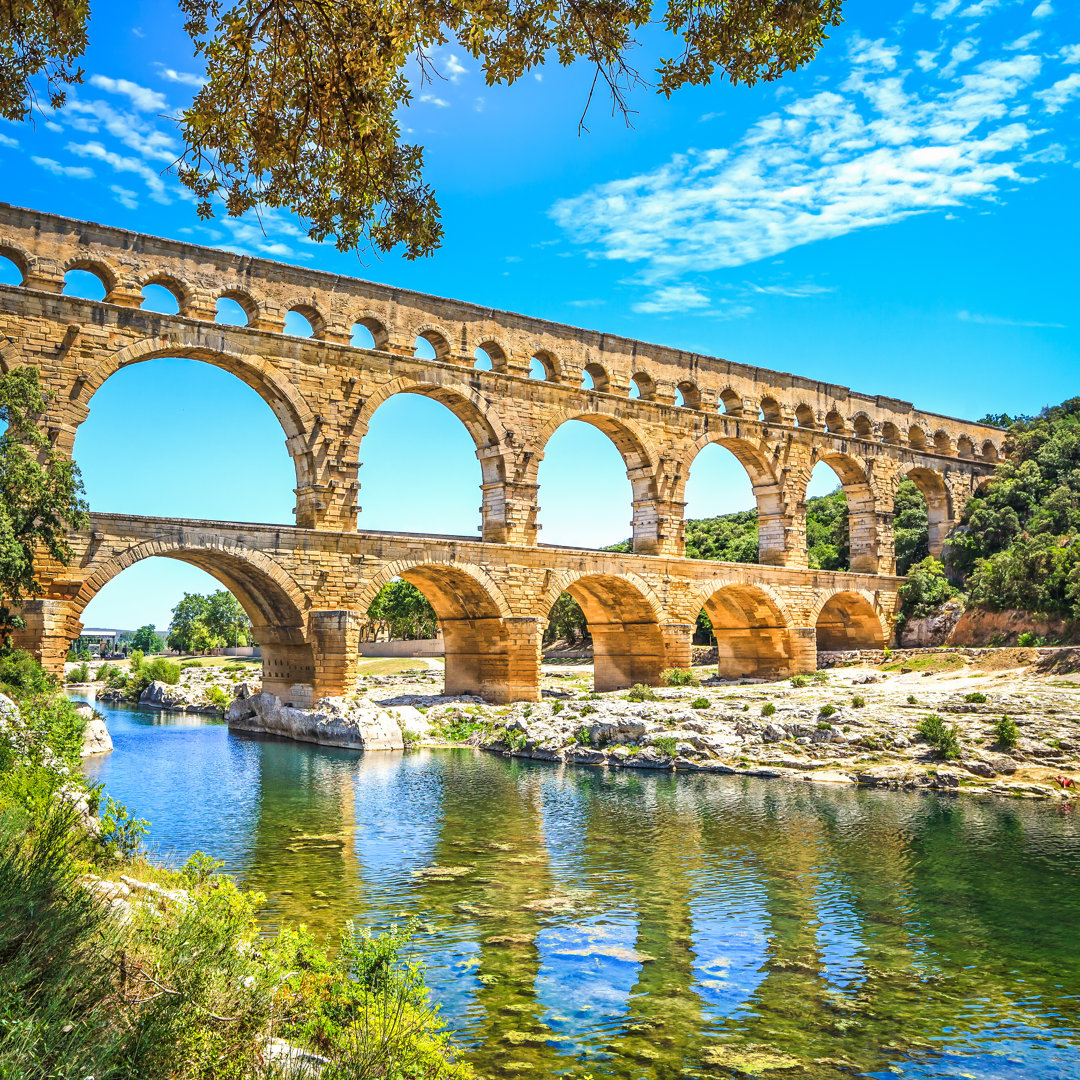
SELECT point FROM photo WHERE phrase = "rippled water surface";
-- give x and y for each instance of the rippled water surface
(641, 924)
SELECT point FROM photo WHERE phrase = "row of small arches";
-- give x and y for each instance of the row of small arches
(166, 296)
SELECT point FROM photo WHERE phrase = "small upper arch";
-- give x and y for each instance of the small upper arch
(173, 286)
(496, 352)
(771, 412)
(965, 447)
(835, 423)
(990, 451)
(943, 443)
(98, 269)
(224, 313)
(316, 324)
(804, 416)
(18, 259)
(862, 425)
(890, 433)
(687, 395)
(642, 386)
(594, 377)
(368, 331)
(916, 437)
(544, 366)
(437, 341)
(731, 402)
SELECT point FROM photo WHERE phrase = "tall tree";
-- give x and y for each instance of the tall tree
(226, 619)
(40, 495)
(302, 97)
(147, 639)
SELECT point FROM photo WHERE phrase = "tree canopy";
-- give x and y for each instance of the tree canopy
(200, 623)
(147, 639)
(403, 612)
(40, 495)
(300, 108)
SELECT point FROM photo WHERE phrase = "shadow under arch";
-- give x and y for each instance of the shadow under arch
(848, 620)
(625, 622)
(473, 616)
(753, 630)
(639, 457)
(274, 603)
(211, 347)
(939, 512)
(488, 435)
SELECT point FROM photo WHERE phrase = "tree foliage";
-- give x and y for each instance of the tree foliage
(403, 612)
(911, 527)
(1018, 543)
(200, 623)
(302, 98)
(147, 639)
(567, 622)
(40, 495)
(925, 589)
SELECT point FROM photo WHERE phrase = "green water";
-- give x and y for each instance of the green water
(645, 925)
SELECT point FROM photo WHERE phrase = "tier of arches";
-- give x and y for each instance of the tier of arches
(364, 328)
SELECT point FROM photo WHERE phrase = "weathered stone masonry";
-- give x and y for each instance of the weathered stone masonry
(309, 600)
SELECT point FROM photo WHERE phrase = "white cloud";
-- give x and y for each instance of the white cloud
(872, 153)
(672, 298)
(72, 172)
(977, 10)
(155, 185)
(994, 320)
(143, 99)
(961, 53)
(1070, 54)
(875, 54)
(1024, 42)
(455, 69)
(1055, 98)
(138, 133)
(184, 78)
(124, 197)
(945, 9)
(926, 60)
(795, 292)
(1043, 10)
(438, 102)
(7, 140)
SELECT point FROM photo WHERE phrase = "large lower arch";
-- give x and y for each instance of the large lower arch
(488, 653)
(848, 620)
(754, 635)
(870, 544)
(654, 531)
(273, 602)
(625, 622)
(939, 509)
(477, 414)
(213, 347)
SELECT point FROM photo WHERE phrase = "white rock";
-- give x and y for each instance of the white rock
(96, 737)
(331, 721)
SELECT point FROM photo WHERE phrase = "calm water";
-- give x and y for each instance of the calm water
(636, 924)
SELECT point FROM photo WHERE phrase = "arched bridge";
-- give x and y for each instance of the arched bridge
(307, 588)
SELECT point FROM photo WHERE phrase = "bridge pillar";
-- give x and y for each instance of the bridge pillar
(627, 653)
(335, 638)
(495, 658)
(50, 629)
(678, 644)
(658, 527)
(872, 547)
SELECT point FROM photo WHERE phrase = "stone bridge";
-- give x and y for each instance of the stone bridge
(306, 588)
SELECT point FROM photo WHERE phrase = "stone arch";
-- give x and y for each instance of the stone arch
(646, 385)
(848, 619)
(438, 338)
(304, 306)
(210, 347)
(550, 363)
(731, 401)
(805, 417)
(752, 627)
(18, 257)
(472, 615)
(890, 433)
(870, 548)
(916, 437)
(835, 422)
(98, 267)
(638, 455)
(862, 425)
(498, 353)
(483, 426)
(943, 443)
(965, 447)
(990, 451)
(600, 378)
(625, 621)
(771, 412)
(248, 304)
(939, 506)
(274, 602)
(180, 292)
(691, 394)
(375, 326)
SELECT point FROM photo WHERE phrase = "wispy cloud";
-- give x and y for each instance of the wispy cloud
(154, 183)
(136, 132)
(1063, 91)
(995, 320)
(438, 102)
(455, 69)
(144, 99)
(792, 291)
(71, 172)
(127, 199)
(673, 298)
(8, 141)
(879, 145)
(1044, 10)
(184, 78)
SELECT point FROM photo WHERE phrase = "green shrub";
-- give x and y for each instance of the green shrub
(674, 676)
(556, 708)
(1027, 638)
(925, 589)
(858, 701)
(799, 681)
(976, 698)
(162, 670)
(587, 710)
(827, 710)
(199, 868)
(945, 740)
(640, 692)
(912, 699)
(824, 725)
(217, 697)
(121, 834)
(21, 674)
(79, 674)
(582, 736)
(768, 709)
(185, 664)
(665, 744)
(819, 678)
(699, 703)
(1006, 733)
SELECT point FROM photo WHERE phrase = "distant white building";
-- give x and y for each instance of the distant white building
(95, 638)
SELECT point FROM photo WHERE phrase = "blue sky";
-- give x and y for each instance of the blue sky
(898, 217)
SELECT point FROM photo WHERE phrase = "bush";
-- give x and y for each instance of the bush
(665, 744)
(976, 698)
(945, 740)
(827, 710)
(79, 674)
(925, 589)
(912, 699)
(556, 708)
(582, 736)
(1006, 733)
(768, 709)
(190, 664)
(121, 834)
(699, 703)
(858, 701)
(799, 681)
(1028, 639)
(217, 697)
(641, 692)
(587, 709)
(199, 868)
(22, 675)
(674, 676)
(162, 670)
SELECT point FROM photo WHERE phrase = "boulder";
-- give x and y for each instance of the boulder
(159, 695)
(96, 737)
(411, 721)
(331, 721)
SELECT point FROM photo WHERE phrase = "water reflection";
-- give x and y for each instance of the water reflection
(645, 925)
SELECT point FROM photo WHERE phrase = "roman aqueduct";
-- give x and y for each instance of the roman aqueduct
(307, 587)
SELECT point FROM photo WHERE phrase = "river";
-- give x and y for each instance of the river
(637, 924)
